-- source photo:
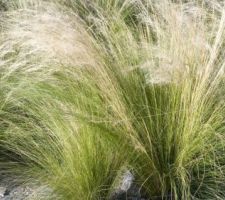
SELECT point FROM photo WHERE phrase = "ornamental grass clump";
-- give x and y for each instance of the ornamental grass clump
(104, 86)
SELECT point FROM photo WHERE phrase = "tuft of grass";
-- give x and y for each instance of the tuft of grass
(105, 85)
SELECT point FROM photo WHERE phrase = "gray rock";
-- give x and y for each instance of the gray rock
(127, 181)
(126, 188)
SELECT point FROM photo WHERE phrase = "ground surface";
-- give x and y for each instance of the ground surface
(29, 191)
(9, 190)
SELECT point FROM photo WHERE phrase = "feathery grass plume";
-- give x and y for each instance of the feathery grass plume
(134, 83)
(175, 121)
(73, 158)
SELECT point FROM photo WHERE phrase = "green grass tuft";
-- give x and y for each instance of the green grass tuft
(89, 89)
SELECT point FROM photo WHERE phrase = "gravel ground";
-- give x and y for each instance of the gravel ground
(24, 192)
(34, 192)
(125, 190)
